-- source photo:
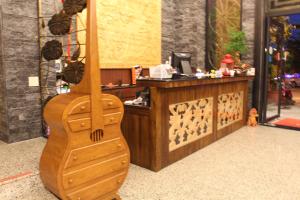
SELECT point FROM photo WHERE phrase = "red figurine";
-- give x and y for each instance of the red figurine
(227, 64)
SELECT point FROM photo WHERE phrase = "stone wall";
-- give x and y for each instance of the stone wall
(190, 29)
(20, 104)
(3, 117)
(19, 60)
(168, 28)
(183, 29)
(248, 25)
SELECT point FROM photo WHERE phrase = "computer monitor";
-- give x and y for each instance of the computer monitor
(181, 61)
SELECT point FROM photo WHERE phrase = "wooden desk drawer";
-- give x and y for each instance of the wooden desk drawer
(80, 124)
(95, 171)
(112, 118)
(83, 107)
(94, 152)
(111, 103)
(99, 189)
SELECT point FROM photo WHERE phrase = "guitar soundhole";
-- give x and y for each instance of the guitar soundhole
(97, 135)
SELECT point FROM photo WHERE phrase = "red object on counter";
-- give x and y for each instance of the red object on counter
(228, 59)
(226, 72)
(133, 76)
(227, 64)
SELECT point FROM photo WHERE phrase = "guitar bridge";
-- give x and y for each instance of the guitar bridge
(97, 135)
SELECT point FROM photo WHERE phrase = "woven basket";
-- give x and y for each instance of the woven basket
(52, 50)
(60, 24)
(73, 73)
(72, 7)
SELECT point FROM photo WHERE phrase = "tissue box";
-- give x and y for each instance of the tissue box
(160, 71)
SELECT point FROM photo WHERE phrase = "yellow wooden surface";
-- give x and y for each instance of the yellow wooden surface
(129, 33)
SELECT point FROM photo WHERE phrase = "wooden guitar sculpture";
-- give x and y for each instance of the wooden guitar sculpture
(86, 156)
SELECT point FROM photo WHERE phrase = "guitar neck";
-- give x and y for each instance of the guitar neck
(90, 83)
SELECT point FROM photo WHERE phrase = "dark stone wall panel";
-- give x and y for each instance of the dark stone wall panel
(190, 29)
(15, 50)
(168, 28)
(248, 26)
(25, 122)
(26, 8)
(3, 112)
(20, 60)
(17, 74)
(19, 28)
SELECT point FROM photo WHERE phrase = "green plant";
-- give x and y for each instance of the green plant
(237, 43)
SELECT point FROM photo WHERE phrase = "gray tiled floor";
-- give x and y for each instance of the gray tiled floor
(260, 163)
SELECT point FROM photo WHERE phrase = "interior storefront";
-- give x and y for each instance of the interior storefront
(149, 100)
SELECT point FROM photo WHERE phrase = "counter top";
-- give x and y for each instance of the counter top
(170, 83)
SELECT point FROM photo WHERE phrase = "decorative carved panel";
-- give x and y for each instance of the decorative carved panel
(223, 16)
(190, 121)
(283, 4)
(230, 108)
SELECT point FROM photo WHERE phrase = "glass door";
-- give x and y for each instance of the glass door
(274, 64)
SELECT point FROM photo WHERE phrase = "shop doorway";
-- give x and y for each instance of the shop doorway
(282, 72)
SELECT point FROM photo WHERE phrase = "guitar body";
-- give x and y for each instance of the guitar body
(86, 156)
(77, 164)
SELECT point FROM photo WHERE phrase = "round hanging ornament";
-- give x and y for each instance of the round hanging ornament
(73, 73)
(60, 24)
(72, 7)
(52, 50)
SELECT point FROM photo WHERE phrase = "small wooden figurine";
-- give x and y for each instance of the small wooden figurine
(252, 117)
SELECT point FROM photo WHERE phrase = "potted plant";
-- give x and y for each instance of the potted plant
(236, 45)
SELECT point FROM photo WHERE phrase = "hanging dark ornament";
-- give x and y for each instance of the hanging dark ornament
(43, 23)
(72, 7)
(76, 54)
(52, 50)
(60, 24)
(73, 73)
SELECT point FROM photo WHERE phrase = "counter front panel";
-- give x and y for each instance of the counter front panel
(183, 118)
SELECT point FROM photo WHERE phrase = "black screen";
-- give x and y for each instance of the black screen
(181, 61)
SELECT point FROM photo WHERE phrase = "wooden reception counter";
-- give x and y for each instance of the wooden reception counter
(183, 117)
